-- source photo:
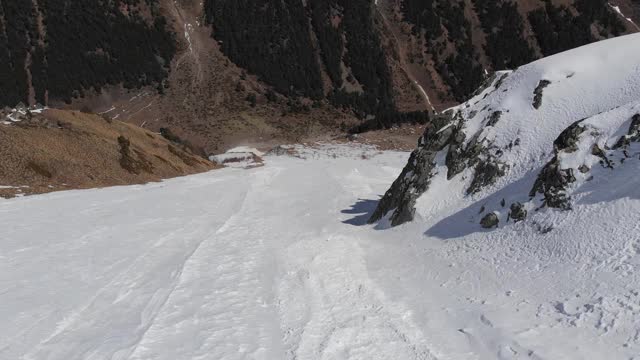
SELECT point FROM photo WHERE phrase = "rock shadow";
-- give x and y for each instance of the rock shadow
(362, 210)
(467, 220)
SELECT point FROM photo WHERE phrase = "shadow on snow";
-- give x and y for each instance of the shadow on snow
(362, 210)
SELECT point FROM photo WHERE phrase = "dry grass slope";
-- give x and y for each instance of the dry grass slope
(62, 150)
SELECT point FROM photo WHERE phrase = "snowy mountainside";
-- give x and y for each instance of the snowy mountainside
(531, 138)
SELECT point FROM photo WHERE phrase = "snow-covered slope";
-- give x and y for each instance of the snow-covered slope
(552, 121)
(538, 178)
(275, 263)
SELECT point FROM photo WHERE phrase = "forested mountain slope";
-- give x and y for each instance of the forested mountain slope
(56, 49)
(219, 71)
(458, 41)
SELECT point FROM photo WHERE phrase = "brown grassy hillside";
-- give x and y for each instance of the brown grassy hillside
(59, 150)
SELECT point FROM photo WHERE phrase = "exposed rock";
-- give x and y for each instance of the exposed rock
(569, 138)
(501, 80)
(133, 164)
(457, 156)
(416, 176)
(478, 154)
(552, 183)
(494, 118)
(553, 180)
(486, 173)
(490, 221)
(537, 98)
(517, 212)
(604, 161)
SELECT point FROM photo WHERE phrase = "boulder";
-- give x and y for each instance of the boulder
(490, 221)
(517, 212)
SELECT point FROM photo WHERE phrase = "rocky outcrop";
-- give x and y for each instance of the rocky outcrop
(486, 173)
(447, 133)
(490, 221)
(537, 93)
(517, 212)
(553, 180)
(505, 159)
(478, 154)
(415, 178)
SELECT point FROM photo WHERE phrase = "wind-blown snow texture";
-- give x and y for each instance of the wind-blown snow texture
(275, 262)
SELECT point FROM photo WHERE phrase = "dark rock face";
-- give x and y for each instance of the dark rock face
(517, 212)
(537, 98)
(604, 160)
(486, 173)
(494, 118)
(568, 139)
(457, 154)
(552, 183)
(416, 176)
(552, 180)
(133, 164)
(488, 168)
(490, 221)
(447, 130)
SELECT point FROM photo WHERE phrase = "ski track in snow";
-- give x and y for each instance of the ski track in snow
(267, 264)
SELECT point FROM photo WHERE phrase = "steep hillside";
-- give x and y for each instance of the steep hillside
(50, 150)
(554, 134)
(225, 72)
(455, 43)
(58, 49)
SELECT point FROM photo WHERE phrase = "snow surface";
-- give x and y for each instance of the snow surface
(275, 263)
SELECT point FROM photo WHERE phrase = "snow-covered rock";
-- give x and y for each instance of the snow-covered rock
(531, 138)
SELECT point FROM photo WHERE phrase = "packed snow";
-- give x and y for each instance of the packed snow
(277, 262)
